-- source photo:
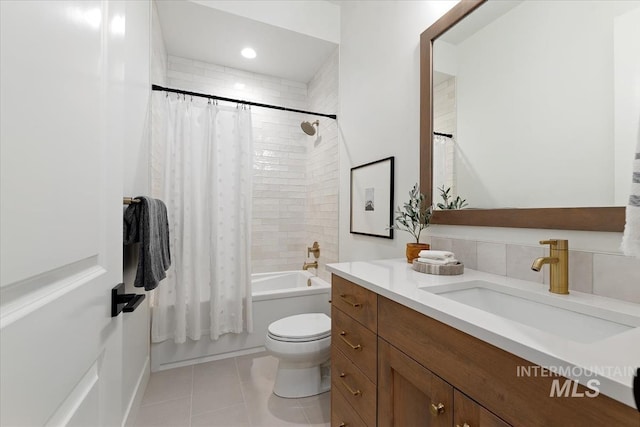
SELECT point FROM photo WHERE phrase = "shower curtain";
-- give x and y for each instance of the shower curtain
(201, 166)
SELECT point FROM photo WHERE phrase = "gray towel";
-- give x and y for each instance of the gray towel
(147, 223)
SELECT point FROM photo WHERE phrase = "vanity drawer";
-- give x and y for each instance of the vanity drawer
(356, 342)
(342, 414)
(356, 301)
(354, 386)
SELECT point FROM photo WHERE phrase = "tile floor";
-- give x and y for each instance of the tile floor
(231, 393)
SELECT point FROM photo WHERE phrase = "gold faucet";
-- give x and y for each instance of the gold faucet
(308, 265)
(558, 261)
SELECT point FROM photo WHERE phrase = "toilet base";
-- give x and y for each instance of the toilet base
(293, 381)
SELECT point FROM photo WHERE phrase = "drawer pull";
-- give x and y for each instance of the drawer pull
(344, 383)
(354, 347)
(437, 409)
(351, 303)
(463, 425)
(343, 425)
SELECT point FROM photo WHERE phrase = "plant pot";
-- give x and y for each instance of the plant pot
(413, 249)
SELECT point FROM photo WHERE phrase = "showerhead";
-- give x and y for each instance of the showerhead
(308, 127)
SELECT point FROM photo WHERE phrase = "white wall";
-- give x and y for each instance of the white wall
(146, 56)
(379, 103)
(159, 57)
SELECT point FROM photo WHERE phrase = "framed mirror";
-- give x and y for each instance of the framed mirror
(535, 142)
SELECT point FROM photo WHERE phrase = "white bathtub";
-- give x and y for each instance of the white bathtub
(274, 295)
(286, 284)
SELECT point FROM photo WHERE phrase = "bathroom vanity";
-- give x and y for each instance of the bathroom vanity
(408, 350)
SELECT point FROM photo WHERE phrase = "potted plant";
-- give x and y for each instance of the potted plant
(413, 217)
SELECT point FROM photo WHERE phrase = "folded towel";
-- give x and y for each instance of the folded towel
(631, 236)
(147, 223)
(448, 261)
(436, 254)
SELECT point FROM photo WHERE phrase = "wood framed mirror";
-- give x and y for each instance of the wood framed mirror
(607, 218)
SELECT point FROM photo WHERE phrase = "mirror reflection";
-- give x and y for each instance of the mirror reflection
(541, 102)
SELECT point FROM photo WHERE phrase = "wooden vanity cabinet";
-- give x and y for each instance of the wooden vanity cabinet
(354, 350)
(430, 374)
(410, 394)
(415, 396)
(468, 413)
(489, 376)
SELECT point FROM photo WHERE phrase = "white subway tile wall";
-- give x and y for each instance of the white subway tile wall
(295, 176)
(492, 258)
(616, 276)
(609, 275)
(322, 166)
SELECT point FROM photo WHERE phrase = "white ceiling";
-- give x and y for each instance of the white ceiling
(206, 34)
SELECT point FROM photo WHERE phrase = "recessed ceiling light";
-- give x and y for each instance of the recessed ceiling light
(248, 53)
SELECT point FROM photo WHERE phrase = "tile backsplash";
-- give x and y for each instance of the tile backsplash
(604, 274)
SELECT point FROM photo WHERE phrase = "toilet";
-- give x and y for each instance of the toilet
(302, 344)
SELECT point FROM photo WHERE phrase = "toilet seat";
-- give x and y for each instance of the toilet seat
(301, 328)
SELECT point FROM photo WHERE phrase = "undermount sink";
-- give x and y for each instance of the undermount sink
(550, 313)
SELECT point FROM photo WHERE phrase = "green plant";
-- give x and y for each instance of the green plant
(414, 216)
(457, 203)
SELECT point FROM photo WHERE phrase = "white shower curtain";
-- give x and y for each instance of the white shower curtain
(201, 166)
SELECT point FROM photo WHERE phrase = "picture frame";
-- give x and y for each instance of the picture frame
(372, 199)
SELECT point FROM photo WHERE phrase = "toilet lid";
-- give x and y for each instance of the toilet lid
(301, 327)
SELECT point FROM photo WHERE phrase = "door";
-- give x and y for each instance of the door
(61, 125)
(408, 393)
(468, 413)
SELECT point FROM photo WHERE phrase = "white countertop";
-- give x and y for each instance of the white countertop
(611, 361)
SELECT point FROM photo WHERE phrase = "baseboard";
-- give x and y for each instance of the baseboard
(211, 358)
(136, 400)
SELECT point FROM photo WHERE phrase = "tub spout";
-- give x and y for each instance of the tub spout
(308, 265)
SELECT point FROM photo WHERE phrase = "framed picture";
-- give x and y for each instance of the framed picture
(372, 199)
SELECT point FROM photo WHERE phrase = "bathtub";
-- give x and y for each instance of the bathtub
(286, 284)
(274, 295)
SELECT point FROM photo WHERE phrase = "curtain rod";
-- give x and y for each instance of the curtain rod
(239, 101)
(446, 135)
